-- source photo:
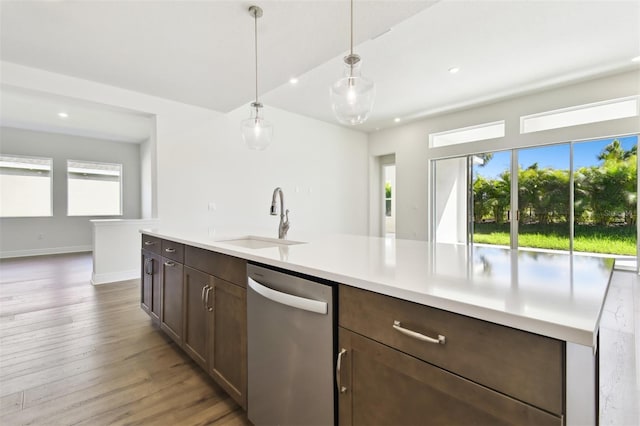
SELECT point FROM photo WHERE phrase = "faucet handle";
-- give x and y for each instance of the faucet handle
(284, 226)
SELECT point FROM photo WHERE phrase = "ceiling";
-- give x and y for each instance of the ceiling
(201, 52)
(26, 109)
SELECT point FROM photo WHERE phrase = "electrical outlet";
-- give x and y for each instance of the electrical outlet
(41, 236)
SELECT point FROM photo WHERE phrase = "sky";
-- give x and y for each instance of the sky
(554, 156)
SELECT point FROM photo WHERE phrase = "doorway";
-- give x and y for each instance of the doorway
(388, 191)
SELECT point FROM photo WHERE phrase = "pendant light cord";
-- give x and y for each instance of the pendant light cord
(255, 32)
(352, 27)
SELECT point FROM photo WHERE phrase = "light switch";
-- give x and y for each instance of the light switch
(212, 206)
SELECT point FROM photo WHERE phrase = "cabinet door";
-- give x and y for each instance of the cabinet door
(381, 385)
(198, 287)
(172, 302)
(150, 299)
(146, 282)
(228, 356)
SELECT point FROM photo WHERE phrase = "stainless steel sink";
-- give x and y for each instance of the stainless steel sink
(253, 242)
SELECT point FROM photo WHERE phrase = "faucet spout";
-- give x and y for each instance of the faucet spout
(283, 227)
(274, 207)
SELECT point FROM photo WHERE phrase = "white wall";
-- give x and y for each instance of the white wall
(450, 210)
(116, 249)
(410, 141)
(200, 159)
(61, 233)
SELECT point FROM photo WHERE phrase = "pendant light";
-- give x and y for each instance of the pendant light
(352, 96)
(256, 131)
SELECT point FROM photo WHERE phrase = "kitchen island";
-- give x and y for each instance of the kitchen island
(553, 301)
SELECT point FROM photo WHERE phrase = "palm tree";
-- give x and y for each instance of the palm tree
(613, 151)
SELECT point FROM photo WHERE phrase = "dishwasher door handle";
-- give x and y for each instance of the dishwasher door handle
(288, 299)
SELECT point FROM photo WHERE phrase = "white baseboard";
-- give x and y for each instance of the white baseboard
(44, 251)
(112, 277)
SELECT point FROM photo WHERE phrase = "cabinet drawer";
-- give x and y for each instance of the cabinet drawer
(151, 244)
(225, 267)
(526, 366)
(384, 386)
(173, 251)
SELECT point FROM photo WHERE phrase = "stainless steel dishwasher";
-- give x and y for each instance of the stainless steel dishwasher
(290, 327)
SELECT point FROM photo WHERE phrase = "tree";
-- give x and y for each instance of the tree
(482, 193)
(613, 151)
(614, 185)
(501, 196)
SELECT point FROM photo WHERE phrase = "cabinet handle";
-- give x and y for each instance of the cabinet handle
(148, 261)
(170, 250)
(206, 299)
(202, 297)
(149, 243)
(341, 388)
(440, 340)
(167, 263)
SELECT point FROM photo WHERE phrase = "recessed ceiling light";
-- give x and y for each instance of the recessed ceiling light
(63, 115)
(636, 59)
(293, 80)
(454, 70)
(397, 119)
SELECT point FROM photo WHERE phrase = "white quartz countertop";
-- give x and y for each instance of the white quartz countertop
(555, 295)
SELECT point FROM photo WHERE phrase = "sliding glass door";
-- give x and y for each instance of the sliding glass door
(606, 196)
(579, 196)
(491, 198)
(544, 197)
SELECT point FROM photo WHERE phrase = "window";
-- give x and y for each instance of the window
(480, 132)
(94, 189)
(577, 196)
(25, 186)
(581, 114)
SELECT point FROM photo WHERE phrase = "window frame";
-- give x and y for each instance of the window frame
(578, 109)
(493, 124)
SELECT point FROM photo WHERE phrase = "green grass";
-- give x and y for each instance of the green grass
(588, 238)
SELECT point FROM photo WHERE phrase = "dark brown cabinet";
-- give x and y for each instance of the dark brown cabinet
(198, 288)
(405, 363)
(228, 359)
(202, 306)
(151, 298)
(381, 385)
(171, 317)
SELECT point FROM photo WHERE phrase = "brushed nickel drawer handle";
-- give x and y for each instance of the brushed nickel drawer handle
(203, 290)
(440, 340)
(341, 389)
(170, 250)
(206, 299)
(149, 243)
(147, 262)
(169, 263)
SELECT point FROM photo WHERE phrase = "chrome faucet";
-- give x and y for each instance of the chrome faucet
(284, 223)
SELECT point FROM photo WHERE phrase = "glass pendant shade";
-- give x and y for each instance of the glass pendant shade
(256, 131)
(353, 95)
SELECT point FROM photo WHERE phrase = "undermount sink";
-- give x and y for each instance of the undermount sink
(253, 242)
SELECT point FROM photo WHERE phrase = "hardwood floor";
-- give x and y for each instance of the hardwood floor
(73, 353)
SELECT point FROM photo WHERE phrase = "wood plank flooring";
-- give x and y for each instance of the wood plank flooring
(73, 353)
